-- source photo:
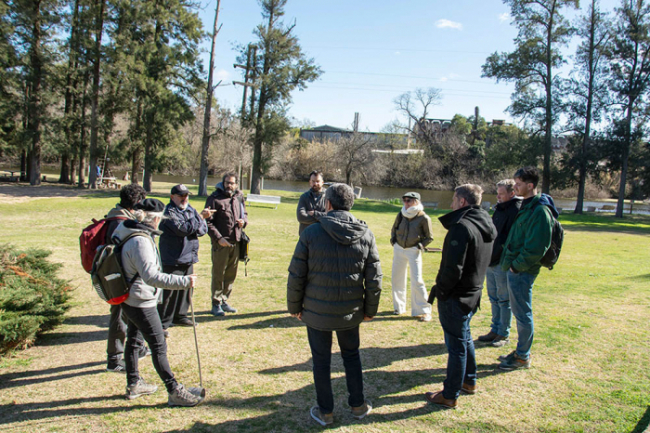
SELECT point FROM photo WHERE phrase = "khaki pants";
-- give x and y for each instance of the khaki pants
(224, 271)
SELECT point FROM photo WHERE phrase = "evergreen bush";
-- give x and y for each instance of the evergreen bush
(32, 298)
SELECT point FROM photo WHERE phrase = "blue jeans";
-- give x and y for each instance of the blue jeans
(520, 286)
(461, 363)
(321, 351)
(497, 288)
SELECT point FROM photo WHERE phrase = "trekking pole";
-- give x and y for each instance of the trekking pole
(196, 341)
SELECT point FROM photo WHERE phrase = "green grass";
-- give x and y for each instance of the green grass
(589, 367)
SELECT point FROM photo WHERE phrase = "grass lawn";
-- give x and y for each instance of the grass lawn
(589, 367)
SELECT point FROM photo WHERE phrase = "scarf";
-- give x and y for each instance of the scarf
(413, 211)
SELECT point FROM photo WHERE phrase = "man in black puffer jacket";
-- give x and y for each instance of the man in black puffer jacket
(334, 284)
(466, 255)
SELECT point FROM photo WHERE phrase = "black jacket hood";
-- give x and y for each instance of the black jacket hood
(343, 227)
(474, 214)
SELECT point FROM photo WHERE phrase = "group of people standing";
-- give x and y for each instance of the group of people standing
(161, 277)
(335, 277)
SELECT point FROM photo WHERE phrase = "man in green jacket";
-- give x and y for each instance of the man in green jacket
(528, 240)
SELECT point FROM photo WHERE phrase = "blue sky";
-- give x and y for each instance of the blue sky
(372, 51)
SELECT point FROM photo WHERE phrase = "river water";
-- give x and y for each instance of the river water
(442, 198)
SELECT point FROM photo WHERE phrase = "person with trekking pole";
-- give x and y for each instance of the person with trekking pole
(143, 269)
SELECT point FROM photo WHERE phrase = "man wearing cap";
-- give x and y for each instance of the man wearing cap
(411, 232)
(311, 205)
(179, 250)
(224, 228)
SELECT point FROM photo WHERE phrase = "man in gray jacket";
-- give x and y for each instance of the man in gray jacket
(311, 205)
(334, 284)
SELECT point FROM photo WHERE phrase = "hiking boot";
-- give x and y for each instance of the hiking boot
(321, 418)
(227, 308)
(360, 412)
(181, 397)
(439, 400)
(140, 388)
(506, 357)
(116, 366)
(468, 389)
(490, 336)
(514, 363)
(185, 322)
(217, 311)
(500, 341)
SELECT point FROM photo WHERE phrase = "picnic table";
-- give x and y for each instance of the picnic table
(9, 175)
(110, 182)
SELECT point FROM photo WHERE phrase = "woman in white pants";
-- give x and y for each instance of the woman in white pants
(411, 232)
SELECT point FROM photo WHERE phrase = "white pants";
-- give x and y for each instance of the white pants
(411, 257)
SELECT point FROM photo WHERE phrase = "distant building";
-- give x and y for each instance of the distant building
(325, 133)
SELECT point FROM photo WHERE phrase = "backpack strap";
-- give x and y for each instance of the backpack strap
(118, 254)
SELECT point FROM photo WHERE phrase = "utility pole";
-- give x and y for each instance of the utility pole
(249, 81)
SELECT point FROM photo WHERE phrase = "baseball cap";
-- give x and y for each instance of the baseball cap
(180, 189)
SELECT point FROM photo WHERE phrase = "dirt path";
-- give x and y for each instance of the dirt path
(22, 192)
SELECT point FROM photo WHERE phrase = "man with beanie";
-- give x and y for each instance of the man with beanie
(466, 254)
(179, 250)
(334, 284)
(224, 228)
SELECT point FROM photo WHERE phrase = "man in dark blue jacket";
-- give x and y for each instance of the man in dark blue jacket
(179, 250)
(334, 285)
(466, 254)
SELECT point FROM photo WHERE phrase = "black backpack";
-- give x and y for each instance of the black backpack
(107, 273)
(557, 238)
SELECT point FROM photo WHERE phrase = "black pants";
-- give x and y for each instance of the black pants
(321, 351)
(175, 303)
(116, 334)
(145, 322)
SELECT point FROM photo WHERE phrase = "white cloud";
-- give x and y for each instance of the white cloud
(397, 53)
(504, 17)
(443, 79)
(222, 74)
(447, 24)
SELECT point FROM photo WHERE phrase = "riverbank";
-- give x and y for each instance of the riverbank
(589, 357)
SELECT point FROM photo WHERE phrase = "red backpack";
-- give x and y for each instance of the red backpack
(93, 237)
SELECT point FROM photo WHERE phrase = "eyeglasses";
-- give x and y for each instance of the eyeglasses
(230, 183)
(407, 200)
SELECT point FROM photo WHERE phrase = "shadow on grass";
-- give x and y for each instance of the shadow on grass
(278, 322)
(99, 321)
(55, 409)
(72, 337)
(206, 316)
(641, 277)
(290, 411)
(12, 380)
(643, 423)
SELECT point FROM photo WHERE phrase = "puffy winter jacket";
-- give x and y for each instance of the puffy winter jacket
(414, 232)
(335, 274)
(140, 255)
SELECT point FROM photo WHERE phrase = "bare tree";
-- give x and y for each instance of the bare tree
(356, 155)
(415, 106)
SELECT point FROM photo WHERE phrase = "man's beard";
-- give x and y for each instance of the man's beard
(316, 190)
(182, 206)
(230, 192)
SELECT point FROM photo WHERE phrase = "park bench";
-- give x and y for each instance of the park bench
(266, 199)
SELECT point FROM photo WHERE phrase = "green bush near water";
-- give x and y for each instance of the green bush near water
(32, 298)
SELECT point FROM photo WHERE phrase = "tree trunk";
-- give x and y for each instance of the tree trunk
(34, 101)
(620, 204)
(205, 143)
(135, 166)
(64, 176)
(94, 122)
(148, 151)
(82, 135)
(23, 166)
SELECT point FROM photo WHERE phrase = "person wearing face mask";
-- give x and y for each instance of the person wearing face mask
(411, 232)
(179, 250)
(311, 205)
(224, 228)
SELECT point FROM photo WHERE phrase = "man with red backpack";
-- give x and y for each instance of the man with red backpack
(129, 196)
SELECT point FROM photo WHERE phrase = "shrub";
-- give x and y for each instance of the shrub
(32, 298)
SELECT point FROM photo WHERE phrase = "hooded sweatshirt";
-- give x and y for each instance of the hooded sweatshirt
(120, 214)
(140, 256)
(335, 274)
(466, 255)
(229, 208)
